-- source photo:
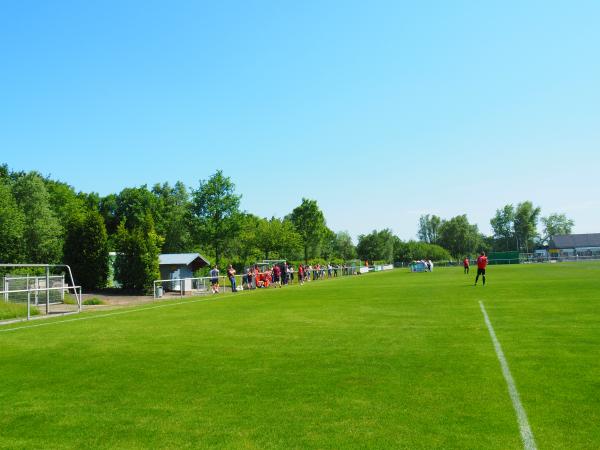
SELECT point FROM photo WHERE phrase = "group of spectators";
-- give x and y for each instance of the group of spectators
(284, 273)
(318, 272)
(427, 263)
(278, 275)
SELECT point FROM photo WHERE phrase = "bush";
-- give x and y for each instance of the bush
(413, 250)
(93, 301)
(86, 250)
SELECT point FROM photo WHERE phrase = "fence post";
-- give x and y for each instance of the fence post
(47, 290)
(28, 302)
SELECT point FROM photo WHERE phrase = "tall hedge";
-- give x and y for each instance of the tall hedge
(86, 250)
(136, 264)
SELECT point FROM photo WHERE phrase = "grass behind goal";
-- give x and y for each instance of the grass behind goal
(383, 360)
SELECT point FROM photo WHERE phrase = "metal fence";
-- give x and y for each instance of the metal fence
(180, 287)
(560, 258)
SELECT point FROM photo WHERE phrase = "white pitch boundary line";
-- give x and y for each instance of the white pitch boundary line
(524, 428)
(99, 316)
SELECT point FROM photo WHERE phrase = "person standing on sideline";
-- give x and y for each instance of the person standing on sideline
(277, 275)
(248, 278)
(466, 265)
(214, 280)
(285, 273)
(481, 265)
(231, 276)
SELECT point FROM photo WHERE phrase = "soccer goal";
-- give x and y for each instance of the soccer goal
(269, 263)
(32, 289)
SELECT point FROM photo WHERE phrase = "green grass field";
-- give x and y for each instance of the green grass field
(388, 360)
(15, 310)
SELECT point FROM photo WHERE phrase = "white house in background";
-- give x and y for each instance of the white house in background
(180, 268)
(575, 245)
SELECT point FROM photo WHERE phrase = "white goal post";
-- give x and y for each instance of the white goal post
(29, 288)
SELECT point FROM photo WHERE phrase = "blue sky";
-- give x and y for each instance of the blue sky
(381, 111)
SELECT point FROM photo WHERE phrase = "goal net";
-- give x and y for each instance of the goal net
(32, 289)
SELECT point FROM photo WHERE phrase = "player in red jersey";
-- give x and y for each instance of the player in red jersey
(466, 265)
(277, 275)
(481, 265)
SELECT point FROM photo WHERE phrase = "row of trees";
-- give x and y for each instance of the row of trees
(514, 228)
(47, 221)
(43, 221)
(384, 246)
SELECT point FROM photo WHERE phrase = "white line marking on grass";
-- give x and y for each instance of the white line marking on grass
(524, 428)
(133, 309)
(99, 316)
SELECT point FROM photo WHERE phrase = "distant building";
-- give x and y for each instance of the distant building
(587, 245)
(179, 266)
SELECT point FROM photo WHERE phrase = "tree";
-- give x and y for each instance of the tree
(327, 246)
(12, 226)
(376, 246)
(310, 224)
(556, 224)
(429, 228)
(90, 201)
(290, 242)
(526, 218)
(173, 217)
(276, 237)
(503, 226)
(107, 207)
(136, 265)
(367, 247)
(414, 251)
(216, 212)
(133, 206)
(245, 245)
(64, 201)
(42, 234)
(343, 246)
(86, 250)
(4, 173)
(459, 237)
